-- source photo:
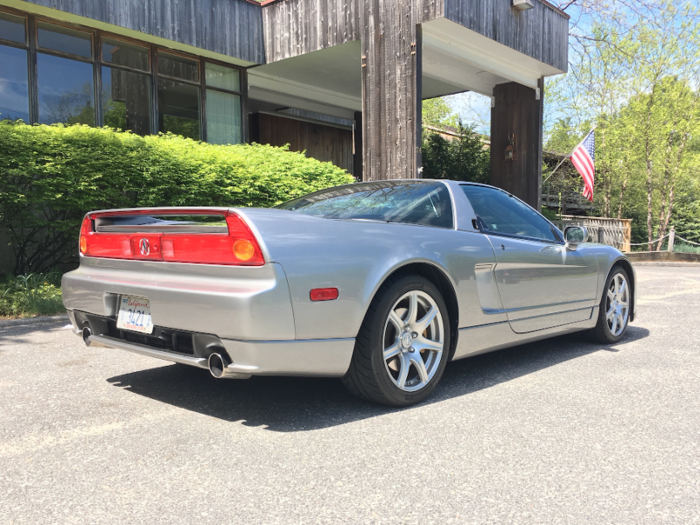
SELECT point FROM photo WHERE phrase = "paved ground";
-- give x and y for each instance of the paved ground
(559, 432)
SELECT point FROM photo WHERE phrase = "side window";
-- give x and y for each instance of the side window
(497, 213)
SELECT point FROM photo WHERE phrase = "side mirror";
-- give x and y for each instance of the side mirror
(575, 235)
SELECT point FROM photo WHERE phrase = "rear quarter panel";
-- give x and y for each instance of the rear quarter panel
(356, 257)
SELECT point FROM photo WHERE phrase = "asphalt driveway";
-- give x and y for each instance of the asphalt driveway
(561, 431)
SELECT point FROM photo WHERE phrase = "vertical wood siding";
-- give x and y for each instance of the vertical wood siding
(230, 27)
(517, 111)
(541, 33)
(325, 143)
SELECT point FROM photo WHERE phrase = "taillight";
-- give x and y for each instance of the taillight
(239, 247)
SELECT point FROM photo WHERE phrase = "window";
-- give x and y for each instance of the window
(14, 88)
(499, 213)
(223, 105)
(424, 203)
(75, 75)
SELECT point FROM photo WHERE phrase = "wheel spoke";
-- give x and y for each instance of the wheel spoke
(609, 313)
(613, 328)
(396, 320)
(422, 325)
(623, 288)
(412, 308)
(403, 371)
(611, 295)
(422, 343)
(420, 367)
(392, 351)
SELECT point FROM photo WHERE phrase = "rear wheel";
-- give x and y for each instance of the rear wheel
(401, 350)
(613, 316)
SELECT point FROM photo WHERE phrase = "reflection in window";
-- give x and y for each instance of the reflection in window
(12, 28)
(66, 91)
(178, 107)
(126, 100)
(59, 38)
(124, 54)
(177, 66)
(223, 118)
(14, 95)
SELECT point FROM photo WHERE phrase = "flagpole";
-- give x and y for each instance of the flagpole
(555, 169)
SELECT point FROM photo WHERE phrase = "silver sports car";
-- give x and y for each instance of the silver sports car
(379, 283)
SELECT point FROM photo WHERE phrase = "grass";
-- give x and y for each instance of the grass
(685, 248)
(31, 295)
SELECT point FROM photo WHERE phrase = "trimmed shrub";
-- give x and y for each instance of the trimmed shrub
(50, 176)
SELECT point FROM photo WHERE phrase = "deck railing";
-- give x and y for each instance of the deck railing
(614, 232)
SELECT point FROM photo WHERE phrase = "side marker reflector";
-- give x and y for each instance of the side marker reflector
(323, 294)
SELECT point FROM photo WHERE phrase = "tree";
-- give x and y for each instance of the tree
(437, 112)
(461, 158)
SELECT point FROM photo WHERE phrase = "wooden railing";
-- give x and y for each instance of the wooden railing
(614, 232)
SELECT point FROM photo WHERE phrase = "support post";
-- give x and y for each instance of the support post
(517, 113)
(391, 90)
(357, 144)
(671, 238)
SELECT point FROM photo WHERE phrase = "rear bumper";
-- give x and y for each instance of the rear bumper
(317, 357)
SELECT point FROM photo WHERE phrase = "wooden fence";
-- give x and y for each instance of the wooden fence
(614, 232)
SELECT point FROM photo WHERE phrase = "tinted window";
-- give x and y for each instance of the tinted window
(12, 28)
(178, 105)
(14, 94)
(125, 54)
(177, 66)
(66, 40)
(126, 100)
(65, 91)
(498, 212)
(223, 118)
(422, 203)
(222, 77)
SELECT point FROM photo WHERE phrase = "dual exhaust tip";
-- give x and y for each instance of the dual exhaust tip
(218, 364)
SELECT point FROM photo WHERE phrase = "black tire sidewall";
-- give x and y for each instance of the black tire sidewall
(602, 329)
(394, 395)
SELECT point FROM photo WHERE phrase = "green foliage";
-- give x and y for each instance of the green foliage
(437, 112)
(30, 295)
(549, 214)
(462, 158)
(50, 176)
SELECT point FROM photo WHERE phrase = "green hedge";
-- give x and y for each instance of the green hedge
(50, 176)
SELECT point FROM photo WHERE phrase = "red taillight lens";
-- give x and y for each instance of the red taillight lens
(323, 294)
(239, 247)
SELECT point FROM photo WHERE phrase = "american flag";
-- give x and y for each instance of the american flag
(583, 159)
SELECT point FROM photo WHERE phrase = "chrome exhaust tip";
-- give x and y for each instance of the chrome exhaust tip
(86, 335)
(217, 365)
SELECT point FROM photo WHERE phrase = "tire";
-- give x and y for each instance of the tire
(614, 311)
(408, 322)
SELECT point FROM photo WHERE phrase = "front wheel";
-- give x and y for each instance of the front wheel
(403, 344)
(614, 313)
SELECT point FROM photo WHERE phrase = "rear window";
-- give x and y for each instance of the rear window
(422, 203)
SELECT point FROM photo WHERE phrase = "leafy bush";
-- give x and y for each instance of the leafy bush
(462, 158)
(50, 176)
(32, 294)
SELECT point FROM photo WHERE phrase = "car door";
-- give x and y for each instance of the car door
(541, 282)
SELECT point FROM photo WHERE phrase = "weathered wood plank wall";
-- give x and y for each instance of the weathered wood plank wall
(229, 27)
(325, 143)
(541, 33)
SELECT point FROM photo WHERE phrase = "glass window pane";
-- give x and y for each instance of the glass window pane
(14, 95)
(178, 107)
(126, 100)
(66, 40)
(177, 66)
(124, 54)
(66, 92)
(500, 213)
(223, 118)
(12, 28)
(222, 77)
(424, 203)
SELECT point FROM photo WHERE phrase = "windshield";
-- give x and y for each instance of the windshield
(424, 203)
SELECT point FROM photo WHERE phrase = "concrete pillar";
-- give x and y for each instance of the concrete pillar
(391, 90)
(517, 114)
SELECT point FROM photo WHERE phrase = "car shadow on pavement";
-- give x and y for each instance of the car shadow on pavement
(292, 404)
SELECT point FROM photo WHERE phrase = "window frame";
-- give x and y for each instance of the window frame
(31, 28)
(477, 220)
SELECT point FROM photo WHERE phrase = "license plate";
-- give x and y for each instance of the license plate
(135, 314)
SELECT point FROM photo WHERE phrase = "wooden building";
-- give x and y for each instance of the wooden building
(342, 80)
